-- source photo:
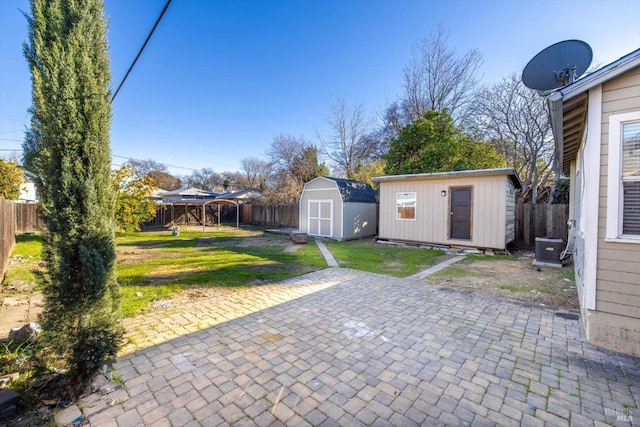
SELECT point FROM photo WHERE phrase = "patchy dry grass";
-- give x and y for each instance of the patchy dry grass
(513, 278)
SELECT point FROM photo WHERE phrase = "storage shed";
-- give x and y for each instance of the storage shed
(338, 208)
(467, 208)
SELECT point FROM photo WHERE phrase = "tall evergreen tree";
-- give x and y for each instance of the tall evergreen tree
(67, 152)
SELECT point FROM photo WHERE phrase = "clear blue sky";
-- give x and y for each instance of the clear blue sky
(220, 78)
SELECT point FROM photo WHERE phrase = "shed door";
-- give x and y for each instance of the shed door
(320, 218)
(460, 213)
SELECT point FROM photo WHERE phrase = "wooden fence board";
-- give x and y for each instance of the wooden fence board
(7, 233)
(28, 218)
(541, 220)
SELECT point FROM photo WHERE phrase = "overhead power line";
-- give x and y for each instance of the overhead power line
(166, 6)
(168, 165)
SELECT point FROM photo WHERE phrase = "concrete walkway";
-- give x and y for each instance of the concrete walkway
(345, 347)
(438, 267)
(328, 256)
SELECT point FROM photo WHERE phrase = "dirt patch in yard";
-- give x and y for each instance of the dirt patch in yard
(246, 241)
(512, 278)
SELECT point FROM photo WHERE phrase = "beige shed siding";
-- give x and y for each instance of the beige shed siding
(510, 231)
(359, 220)
(618, 268)
(321, 189)
(488, 215)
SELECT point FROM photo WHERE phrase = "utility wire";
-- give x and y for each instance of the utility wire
(166, 6)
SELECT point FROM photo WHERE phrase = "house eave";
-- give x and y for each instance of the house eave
(620, 66)
(568, 108)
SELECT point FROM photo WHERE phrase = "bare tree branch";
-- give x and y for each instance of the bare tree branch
(348, 144)
(516, 119)
(437, 79)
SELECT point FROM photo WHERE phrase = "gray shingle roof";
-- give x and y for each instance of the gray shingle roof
(354, 191)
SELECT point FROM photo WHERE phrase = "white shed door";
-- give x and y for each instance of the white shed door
(320, 218)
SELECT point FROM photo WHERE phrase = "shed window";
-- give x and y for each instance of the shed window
(623, 197)
(406, 205)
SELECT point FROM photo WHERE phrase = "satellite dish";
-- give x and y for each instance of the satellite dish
(558, 65)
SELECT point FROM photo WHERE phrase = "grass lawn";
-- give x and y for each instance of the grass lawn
(28, 248)
(156, 265)
(367, 255)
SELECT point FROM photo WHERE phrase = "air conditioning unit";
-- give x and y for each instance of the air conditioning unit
(548, 251)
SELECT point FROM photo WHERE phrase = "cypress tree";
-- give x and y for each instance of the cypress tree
(67, 152)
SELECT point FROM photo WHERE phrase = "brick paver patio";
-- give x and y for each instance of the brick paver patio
(345, 347)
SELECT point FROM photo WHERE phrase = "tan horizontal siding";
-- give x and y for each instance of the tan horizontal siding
(621, 298)
(618, 271)
(629, 80)
(618, 308)
(618, 253)
(625, 289)
(616, 265)
(613, 277)
(618, 95)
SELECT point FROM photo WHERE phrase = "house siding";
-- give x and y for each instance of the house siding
(614, 322)
(618, 271)
(488, 213)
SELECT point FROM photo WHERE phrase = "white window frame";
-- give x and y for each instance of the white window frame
(415, 208)
(614, 179)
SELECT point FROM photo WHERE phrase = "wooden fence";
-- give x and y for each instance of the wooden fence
(7, 233)
(275, 215)
(28, 218)
(541, 220)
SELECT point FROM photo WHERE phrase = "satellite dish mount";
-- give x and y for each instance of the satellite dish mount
(566, 76)
(557, 66)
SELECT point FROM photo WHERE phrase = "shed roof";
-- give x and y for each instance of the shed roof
(244, 193)
(509, 172)
(192, 192)
(354, 191)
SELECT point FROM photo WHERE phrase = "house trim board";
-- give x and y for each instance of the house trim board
(614, 182)
(591, 195)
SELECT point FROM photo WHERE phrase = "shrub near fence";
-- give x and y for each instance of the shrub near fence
(7, 233)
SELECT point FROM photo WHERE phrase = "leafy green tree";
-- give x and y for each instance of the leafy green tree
(67, 151)
(164, 180)
(435, 144)
(306, 166)
(133, 198)
(11, 179)
(293, 161)
(364, 172)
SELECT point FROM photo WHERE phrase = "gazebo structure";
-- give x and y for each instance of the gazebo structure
(220, 202)
(199, 206)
